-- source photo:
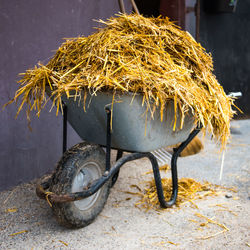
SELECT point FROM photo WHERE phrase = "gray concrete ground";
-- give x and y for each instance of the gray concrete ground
(123, 226)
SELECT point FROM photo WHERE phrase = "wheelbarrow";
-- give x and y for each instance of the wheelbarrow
(79, 187)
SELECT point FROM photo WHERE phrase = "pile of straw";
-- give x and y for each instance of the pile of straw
(188, 191)
(131, 53)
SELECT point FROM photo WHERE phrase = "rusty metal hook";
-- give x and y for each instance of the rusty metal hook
(122, 7)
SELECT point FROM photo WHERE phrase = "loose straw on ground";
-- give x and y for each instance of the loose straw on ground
(208, 220)
(17, 233)
(189, 191)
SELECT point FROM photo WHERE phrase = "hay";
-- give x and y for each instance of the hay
(17, 233)
(208, 220)
(132, 53)
(188, 191)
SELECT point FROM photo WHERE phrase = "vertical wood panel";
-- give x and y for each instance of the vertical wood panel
(175, 10)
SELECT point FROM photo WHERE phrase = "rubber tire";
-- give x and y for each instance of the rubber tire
(67, 214)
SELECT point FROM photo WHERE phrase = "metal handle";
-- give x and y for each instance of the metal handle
(235, 94)
(122, 7)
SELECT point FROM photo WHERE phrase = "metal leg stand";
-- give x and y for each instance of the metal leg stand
(108, 148)
(157, 176)
(116, 175)
(108, 139)
(65, 113)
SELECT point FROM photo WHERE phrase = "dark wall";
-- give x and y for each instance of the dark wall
(30, 30)
(227, 37)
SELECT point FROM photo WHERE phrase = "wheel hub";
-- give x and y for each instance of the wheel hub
(89, 172)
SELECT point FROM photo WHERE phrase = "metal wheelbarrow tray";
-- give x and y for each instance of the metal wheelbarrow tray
(133, 129)
(79, 187)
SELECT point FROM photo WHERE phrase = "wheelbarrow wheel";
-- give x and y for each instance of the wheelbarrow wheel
(79, 166)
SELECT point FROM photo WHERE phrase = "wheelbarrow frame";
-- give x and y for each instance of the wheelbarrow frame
(112, 172)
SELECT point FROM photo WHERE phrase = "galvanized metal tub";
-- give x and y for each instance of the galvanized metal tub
(131, 129)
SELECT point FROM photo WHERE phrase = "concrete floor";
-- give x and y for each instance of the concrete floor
(123, 226)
